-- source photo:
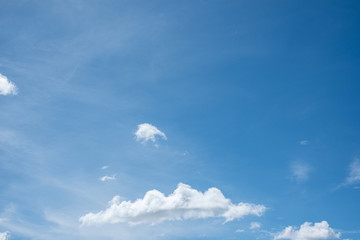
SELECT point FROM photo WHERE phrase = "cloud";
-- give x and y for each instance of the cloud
(104, 167)
(4, 236)
(307, 231)
(354, 175)
(300, 171)
(184, 203)
(7, 87)
(240, 230)
(108, 178)
(304, 142)
(255, 225)
(146, 132)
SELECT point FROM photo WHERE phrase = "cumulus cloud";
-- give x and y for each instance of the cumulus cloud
(107, 178)
(4, 236)
(354, 175)
(147, 132)
(255, 225)
(7, 87)
(307, 231)
(300, 171)
(184, 203)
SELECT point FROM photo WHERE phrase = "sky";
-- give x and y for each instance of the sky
(171, 120)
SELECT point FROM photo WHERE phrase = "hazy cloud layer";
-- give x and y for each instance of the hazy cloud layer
(184, 203)
(307, 231)
(7, 87)
(146, 132)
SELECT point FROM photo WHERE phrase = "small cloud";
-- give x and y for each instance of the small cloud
(147, 132)
(184, 203)
(304, 142)
(108, 178)
(300, 171)
(104, 167)
(240, 230)
(255, 225)
(307, 231)
(354, 173)
(4, 235)
(7, 87)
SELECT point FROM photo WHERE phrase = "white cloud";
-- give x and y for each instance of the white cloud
(300, 171)
(146, 132)
(307, 231)
(104, 167)
(304, 142)
(255, 225)
(7, 87)
(4, 236)
(107, 178)
(240, 230)
(354, 175)
(184, 203)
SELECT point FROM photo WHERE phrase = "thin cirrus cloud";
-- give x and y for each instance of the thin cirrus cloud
(300, 171)
(308, 231)
(147, 132)
(7, 87)
(255, 225)
(304, 142)
(4, 236)
(354, 174)
(184, 203)
(107, 178)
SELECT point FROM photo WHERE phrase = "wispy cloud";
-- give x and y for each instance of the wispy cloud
(184, 203)
(300, 171)
(104, 167)
(147, 132)
(354, 173)
(304, 142)
(7, 87)
(240, 230)
(307, 231)
(107, 178)
(4, 236)
(255, 225)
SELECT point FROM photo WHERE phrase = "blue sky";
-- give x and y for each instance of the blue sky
(179, 120)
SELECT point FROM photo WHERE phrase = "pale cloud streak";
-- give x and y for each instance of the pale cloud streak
(308, 231)
(354, 173)
(300, 171)
(255, 225)
(7, 87)
(184, 203)
(147, 132)
(107, 178)
(304, 142)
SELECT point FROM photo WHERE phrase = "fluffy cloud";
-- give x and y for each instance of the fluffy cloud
(4, 236)
(354, 175)
(255, 225)
(307, 231)
(7, 87)
(146, 132)
(107, 178)
(300, 171)
(184, 203)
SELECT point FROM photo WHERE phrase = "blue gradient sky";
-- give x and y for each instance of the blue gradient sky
(259, 99)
